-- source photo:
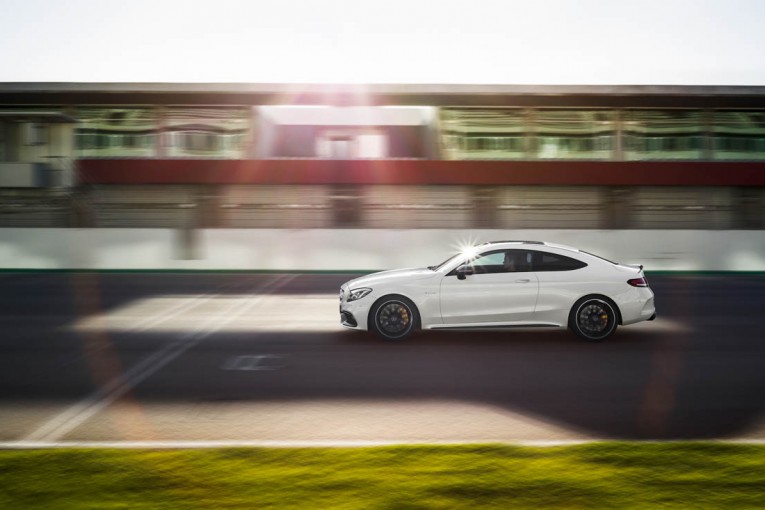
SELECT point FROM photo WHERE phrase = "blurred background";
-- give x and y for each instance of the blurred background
(669, 176)
(157, 137)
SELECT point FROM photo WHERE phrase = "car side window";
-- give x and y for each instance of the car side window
(502, 261)
(489, 262)
(517, 261)
(543, 261)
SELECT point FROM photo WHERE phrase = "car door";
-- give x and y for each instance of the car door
(494, 293)
(561, 280)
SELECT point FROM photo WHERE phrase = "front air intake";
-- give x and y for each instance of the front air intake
(347, 319)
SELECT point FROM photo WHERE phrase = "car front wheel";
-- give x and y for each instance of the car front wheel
(593, 318)
(394, 317)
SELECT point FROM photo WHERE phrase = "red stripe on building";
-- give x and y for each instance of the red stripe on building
(297, 171)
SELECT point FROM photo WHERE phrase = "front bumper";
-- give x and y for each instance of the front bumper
(347, 319)
(353, 315)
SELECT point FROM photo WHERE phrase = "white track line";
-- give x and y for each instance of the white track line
(26, 445)
(63, 423)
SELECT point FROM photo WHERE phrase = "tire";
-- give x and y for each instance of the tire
(594, 318)
(394, 317)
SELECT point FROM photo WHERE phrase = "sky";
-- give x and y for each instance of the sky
(542, 42)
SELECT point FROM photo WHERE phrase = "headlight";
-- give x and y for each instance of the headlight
(358, 294)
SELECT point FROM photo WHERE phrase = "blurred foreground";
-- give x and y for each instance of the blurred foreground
(609, 475)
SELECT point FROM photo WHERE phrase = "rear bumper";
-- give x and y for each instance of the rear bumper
(640, 307)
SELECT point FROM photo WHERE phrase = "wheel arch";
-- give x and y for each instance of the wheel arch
(418, 324)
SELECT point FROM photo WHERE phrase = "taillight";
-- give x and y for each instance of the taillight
(638, 282)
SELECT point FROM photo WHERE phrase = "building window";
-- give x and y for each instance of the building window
(207, 132)
(3, 150)
(484, 133)
(663, 134)
(36, 134)
(738, 135)
(574, 134)
(116, 132)
(351, 144)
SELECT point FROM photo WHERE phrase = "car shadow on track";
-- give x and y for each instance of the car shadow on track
(639, 384)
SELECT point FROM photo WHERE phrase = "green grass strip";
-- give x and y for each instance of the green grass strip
(595, 475)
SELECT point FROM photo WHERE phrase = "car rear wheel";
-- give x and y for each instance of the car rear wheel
(394, 318)
(593, 318)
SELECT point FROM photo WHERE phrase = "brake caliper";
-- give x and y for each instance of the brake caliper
(404, 314)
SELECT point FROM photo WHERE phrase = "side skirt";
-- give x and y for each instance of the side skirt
(494, 326)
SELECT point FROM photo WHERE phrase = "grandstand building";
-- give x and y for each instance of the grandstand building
(381, 156)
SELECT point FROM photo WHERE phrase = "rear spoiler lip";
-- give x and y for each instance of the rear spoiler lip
(633, 266)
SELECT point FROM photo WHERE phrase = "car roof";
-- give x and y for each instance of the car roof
(533, 243)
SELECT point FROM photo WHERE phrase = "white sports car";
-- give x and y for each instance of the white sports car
(501, 284)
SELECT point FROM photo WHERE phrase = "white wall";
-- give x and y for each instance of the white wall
(18, 175)
(358, 249)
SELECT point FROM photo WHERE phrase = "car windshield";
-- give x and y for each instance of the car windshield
(442, 264)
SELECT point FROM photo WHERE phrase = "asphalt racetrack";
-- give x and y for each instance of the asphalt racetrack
(262, 358)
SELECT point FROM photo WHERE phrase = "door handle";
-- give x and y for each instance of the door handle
(525, 280)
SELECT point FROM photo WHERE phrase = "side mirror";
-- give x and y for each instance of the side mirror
(464, 271)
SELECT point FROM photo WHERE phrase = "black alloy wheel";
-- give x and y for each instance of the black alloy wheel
(394, 317)
(593, 319)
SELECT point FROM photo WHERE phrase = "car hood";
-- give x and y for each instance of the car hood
(389, 276)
